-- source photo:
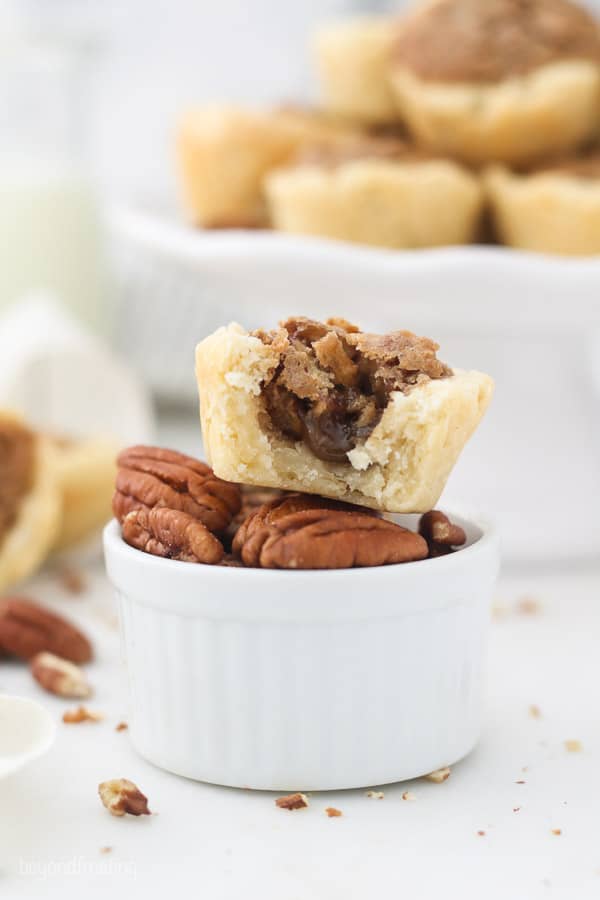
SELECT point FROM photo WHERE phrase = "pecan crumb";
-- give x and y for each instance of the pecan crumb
(292, 801)
(59, 676)
(122, 726)
(408, 795)
(376, 795)
(106, 849)
(516, 809)
(121, 796)
(481, 833)
(81, 714)
(332, 812)
(439, 775)
(535, 712)
(520, 782)
(528, 606)
(557, 831)
(572, 746)
(72, 580)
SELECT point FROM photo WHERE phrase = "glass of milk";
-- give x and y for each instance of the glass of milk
(50, 227)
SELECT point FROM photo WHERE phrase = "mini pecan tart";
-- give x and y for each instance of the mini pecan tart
(224, 153)
(554, 209)
(149, 477)
(301, 532)
(30, 503)
(353, 65)
(376, 420)
(86, 473)
(501, 80)
(376, 191)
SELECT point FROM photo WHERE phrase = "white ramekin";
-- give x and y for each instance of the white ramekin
(305, 680)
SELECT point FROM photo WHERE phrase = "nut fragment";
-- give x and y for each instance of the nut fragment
(298, 532)
(59, 676)
(27, 629)
(573, 746)
(292, 801)
(535, 712)
(81, 714)
(375, 795)
(150, 477)
(440, 533)
(439, 775)
(122, 726)
(121, 796)
(408, 795)
(332, 812)
(172, 534)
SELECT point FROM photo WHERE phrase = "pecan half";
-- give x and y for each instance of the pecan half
(171, 534)
(309, 533)
(59, 676)
(121, 796)
(152, 476)
(251, 499)
(27, 629)
(440, 533)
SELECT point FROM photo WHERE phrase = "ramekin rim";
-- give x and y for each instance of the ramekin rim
(113, 541)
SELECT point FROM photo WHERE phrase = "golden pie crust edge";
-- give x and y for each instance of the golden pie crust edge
(403, 204)
(402, 467)
(546, 112)
(352, 60)
(34, 531)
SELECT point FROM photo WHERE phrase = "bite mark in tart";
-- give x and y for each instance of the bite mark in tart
(552, 209)
(376, 191)
(505, 80)
(376, 420)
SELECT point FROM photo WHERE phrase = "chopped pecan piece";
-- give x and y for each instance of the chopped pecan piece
(27, 629)
(81, 714)
(292, 801)
(332, 812)
(172, 534)
(439, 776)
(59, 676)
(440, 533)
(304, 532)
(151, 477)
(121, 796)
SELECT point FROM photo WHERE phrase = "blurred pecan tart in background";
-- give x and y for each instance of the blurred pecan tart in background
(353, 64)
(376, 420)
(551, 209)
(30, 499)
(502, 80)
(225, 151)
(376, 191)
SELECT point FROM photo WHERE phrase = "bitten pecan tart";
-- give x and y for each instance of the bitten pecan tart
(502, 80)
(324, 408)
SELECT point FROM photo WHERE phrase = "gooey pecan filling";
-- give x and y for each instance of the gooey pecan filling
(16, 471)
(334, 381)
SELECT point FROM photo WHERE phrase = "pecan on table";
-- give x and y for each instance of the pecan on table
(27, 629)
(172, 534)
(441, 534)
(310, 533)
(150, 477)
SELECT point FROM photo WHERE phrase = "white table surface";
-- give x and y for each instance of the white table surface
(211, 842)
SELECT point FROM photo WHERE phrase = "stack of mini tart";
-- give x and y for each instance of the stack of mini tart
(414, 109)
(314, 431)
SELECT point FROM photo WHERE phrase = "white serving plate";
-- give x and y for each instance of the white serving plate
(305, 680)
(533, 322)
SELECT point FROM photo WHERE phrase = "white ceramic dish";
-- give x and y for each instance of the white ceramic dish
(27, 731)
(305, 680)
(532, 322)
